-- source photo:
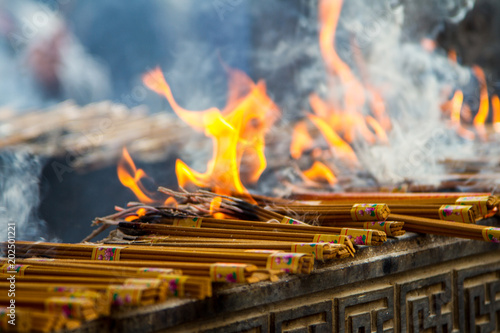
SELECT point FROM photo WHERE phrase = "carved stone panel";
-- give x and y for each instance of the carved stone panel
(425, 304)
(478, 299)
(303, 319)
(371, 311)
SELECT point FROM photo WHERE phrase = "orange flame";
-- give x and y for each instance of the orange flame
(340, 147)
(171, 202)
(455, 105)
(320, 173)
(329, 14)
(495, 104)
(214, 206)
(484, 103)
(301, 140)
(131, 177)
(237, 132)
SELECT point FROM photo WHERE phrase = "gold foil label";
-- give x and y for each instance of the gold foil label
(175, 283)
(192, 222)
(125, 295)
(333, 239)
(289, 220)
(456, 213)
(479, 204)
(491, 234)
(288, 262)
(379, 225)
(316, 249)
(106, 253)
(148, 283)
(228, 272)
(14, 269)
(358, 236)
(368, 212)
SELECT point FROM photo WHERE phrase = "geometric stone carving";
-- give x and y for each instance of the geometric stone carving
(366, 312)
(303, 319)
(423, 304)
(478, 305)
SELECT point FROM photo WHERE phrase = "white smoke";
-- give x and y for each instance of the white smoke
(19, 195)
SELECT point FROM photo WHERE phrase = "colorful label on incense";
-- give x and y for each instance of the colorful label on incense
(194, 222)
(491, 234)
(479, 204)
(288, 262)
(125, 295)
(333, 239)
(368, 212)
(176, 284)
(106, 253)
(69, 307)
(148, 283)
(379, 225)
(316, 249)
(228, 272)
(153, 271)
(358, 236)
(456, 213)
(14, 269)
(289, 220)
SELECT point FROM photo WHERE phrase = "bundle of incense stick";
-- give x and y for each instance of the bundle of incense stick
(140, 291)
(356, 212)
(391, 228)
(330, 213)
(77, 308)
(27, 289)
(195, 287)
(446, 228)
(356, 197)
(233, 207)
(294, 233)
(108, 253)
(321, 251)
(303, 263)
(32, 320)
(55, 268)
(286, 225)
(199, 272)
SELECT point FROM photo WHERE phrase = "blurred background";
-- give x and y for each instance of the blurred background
(91, 51)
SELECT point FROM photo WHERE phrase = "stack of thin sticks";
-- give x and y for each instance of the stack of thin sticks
(32, 320)
(328, 251)
(448, 214)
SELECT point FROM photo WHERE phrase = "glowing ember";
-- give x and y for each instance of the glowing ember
(237, 133)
